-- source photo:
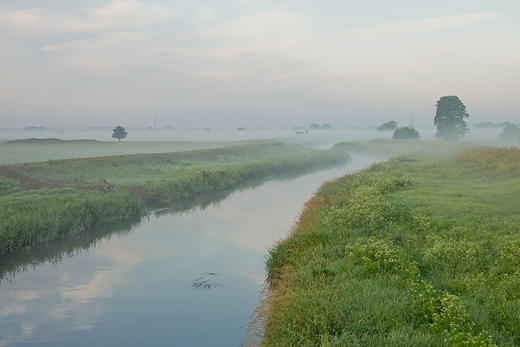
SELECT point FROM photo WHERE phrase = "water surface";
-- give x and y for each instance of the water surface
(188, 275)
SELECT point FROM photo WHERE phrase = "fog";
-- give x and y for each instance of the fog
(254, 63)
(320, 138)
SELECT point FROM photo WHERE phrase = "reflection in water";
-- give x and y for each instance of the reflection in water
(134, 285)
(65, 249)
(61, 249)
(203, 201)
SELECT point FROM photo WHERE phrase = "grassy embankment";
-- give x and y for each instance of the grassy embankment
(417, 251)
(30, 217)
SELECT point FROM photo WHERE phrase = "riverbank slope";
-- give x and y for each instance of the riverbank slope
(42, 201)
(421, 250)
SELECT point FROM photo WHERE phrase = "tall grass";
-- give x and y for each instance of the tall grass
(199, 179)
(412, 252)
(496, 161)
(9, 186)
(37, 217)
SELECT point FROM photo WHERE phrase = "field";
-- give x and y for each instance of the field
(42, 201)
(31, 150)
(421, 250)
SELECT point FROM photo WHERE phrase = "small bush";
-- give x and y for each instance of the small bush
(510, 133)
(406, 133)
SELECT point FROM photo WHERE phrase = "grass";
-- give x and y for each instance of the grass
(140, 169)
(29, 218)
(416, 251)
(32, 150)
(37, 217)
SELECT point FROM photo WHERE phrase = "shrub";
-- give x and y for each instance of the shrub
(510, 133)
(406, 133)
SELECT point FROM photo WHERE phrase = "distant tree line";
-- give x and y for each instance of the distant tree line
(40, 128)
(489, 125)
(313, 126)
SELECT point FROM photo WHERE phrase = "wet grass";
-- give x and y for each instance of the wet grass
(417, 251)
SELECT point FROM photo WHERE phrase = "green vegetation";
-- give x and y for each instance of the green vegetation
(385, 148)
(119, 133)
(154, 170)
(489, 125)
(32, 217)
(9, 186)
(36, 217)
(416, 251)
(449, 118)
(510, 133)
(388, 126)
(31, 150)
(406, 133)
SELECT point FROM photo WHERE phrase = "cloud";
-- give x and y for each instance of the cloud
(118, 15)
(258, 33)
(418, 27)
(106, 57)
(109, 54)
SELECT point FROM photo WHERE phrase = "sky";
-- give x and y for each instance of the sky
(255, 63)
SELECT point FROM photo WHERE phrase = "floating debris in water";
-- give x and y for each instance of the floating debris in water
(160, 209)
(204, 282)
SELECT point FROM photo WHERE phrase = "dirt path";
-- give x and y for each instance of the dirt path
(30, 183)
(26, 181)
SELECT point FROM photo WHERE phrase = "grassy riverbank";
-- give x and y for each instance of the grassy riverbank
(71, 199)
(417, 251)
(39, 216)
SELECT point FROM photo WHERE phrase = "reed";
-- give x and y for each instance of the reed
(36, 217)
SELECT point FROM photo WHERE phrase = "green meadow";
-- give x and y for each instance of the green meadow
(421, 250)
(73, 196)
(32, 150)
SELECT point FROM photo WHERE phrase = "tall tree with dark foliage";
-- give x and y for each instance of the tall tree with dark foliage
(449, 118)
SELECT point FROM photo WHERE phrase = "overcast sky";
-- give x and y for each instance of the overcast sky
(225, 63)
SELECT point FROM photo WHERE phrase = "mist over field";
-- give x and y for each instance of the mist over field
(100, 143)
(327, 137)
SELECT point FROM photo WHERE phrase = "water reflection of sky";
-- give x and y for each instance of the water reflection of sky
(136, 289)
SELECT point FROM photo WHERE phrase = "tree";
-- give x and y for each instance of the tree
(510, 133)
(391, 125)
(119, 133)
(406, 133)
(449, 118)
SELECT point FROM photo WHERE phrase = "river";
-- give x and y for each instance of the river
(187, 275)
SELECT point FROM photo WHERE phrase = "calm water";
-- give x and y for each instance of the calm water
(188, 275)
